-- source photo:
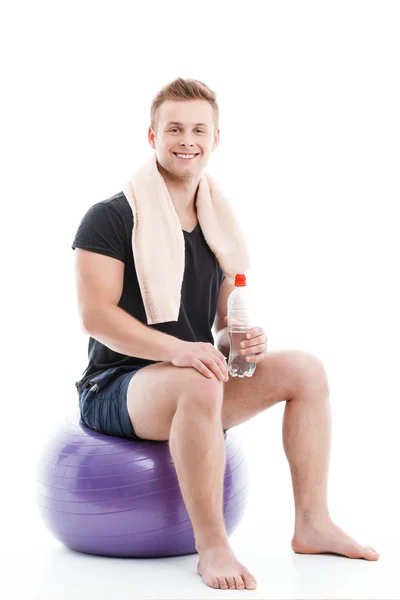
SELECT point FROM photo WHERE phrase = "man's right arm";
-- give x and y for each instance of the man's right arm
(121, 332)
(99, 283)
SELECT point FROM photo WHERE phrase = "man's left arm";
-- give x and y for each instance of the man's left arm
(221, 336)
(222, 341)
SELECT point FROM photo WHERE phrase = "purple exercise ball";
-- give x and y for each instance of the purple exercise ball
(114, 496)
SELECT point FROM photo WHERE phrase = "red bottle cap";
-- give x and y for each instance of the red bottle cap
(240, 280)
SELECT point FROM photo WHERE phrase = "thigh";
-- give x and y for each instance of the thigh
(154, 392)
(273, 381)
(280, 376)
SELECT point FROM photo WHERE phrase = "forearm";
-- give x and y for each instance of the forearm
(222, 342)
(119, 331)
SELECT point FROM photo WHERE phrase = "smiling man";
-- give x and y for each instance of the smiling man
(170, 382)
(184, 135)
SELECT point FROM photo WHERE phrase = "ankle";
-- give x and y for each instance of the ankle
(312, 517)
(212, 541)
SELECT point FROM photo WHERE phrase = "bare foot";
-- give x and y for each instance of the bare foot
(220, 569)
(328, 537)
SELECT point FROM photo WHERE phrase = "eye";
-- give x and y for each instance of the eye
(176, 128)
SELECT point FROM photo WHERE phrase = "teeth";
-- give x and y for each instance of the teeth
(186, 155)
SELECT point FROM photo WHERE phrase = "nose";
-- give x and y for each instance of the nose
(186, 140)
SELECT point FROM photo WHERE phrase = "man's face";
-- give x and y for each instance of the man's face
(184, 127)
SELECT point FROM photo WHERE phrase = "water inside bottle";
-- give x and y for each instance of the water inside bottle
(238, 366)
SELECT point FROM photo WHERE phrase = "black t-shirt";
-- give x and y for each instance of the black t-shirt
(106, 228)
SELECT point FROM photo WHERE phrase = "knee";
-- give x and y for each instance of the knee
(205, 394)
(309, 371)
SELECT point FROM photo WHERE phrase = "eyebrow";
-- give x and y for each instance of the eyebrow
(177, 123)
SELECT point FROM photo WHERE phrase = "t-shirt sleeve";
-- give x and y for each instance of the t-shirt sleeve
(102, 230)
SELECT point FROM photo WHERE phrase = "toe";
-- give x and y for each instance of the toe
(370, 553)
(231, 583)
(249, 581)
(239, 582)
(222, 583)
(215, 583)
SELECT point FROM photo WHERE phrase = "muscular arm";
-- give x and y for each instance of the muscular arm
(99, 282)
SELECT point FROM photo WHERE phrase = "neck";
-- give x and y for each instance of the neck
(183, 192)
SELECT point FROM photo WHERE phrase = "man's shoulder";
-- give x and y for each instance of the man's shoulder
(118, 207)
(117, 202)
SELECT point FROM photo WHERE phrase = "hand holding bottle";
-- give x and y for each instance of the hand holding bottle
(247, 343)
(255, 344)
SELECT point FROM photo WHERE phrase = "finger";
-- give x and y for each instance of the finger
(221, 363)
(255, 358)
(255, 332)
(214, 367)
(197, 364)
(260, 339)
(220, 358)
(223, 366)
(253, 349)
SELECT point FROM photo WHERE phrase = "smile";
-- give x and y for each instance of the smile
(185, 156)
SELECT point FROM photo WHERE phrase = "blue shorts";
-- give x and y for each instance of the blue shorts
(103, 402)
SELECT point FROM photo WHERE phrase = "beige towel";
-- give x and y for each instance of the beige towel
(158, 242)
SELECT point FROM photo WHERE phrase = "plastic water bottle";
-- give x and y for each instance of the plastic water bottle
(240, 316)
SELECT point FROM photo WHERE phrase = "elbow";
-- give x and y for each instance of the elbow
(87, 322)
(85, 326)
(90, 318)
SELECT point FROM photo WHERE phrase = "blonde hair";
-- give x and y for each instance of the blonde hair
(184, 89)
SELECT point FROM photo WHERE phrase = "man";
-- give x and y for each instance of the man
(181, 391)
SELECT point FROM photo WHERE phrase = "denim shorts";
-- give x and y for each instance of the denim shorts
(103, 402)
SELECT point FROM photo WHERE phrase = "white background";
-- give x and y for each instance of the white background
(309, 98)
